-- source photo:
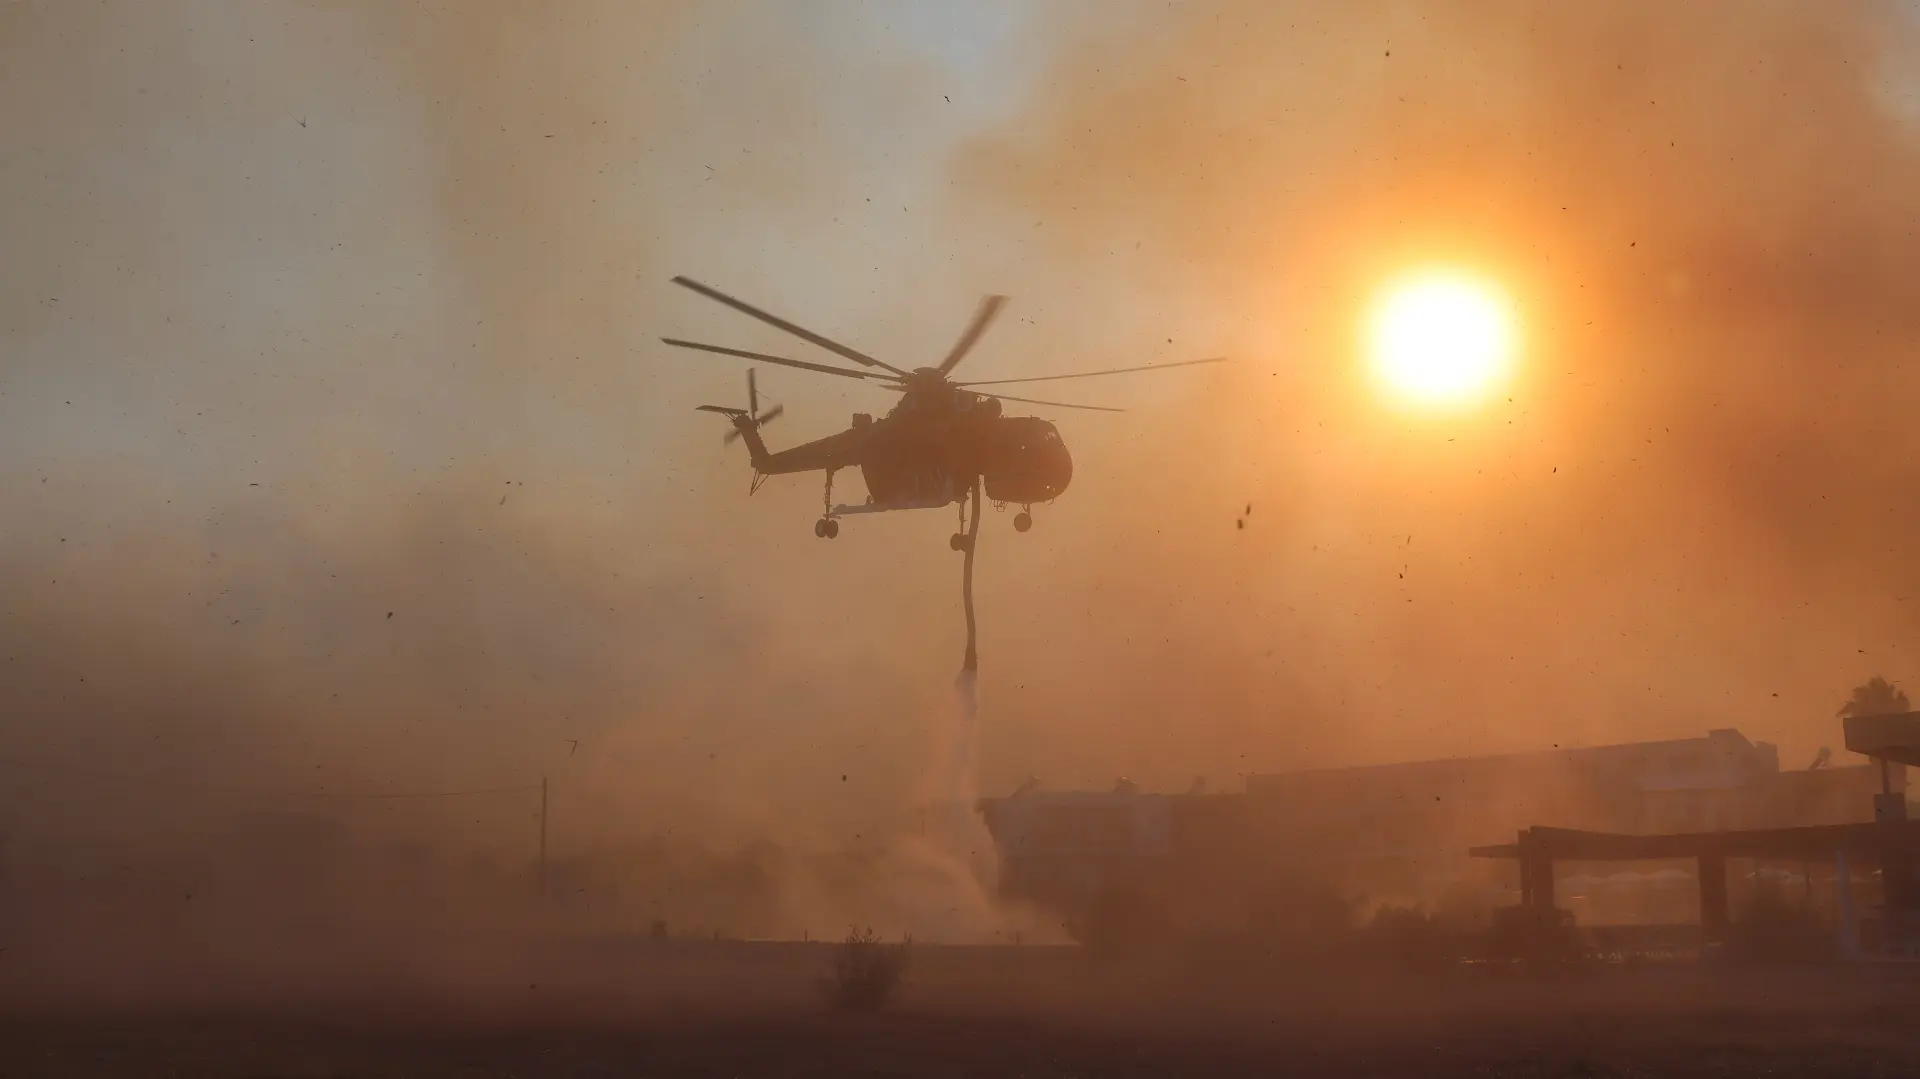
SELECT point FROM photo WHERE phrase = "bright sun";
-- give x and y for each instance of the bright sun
(1441, 339)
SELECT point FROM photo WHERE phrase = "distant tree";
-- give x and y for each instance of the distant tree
(1875, 697)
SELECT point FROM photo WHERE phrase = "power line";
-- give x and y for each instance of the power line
(379, 796)
(126, 780)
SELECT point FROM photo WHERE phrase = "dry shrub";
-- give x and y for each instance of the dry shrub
(1121, 922)
(1303, 918)
(1522, 933)
(1774, 928)
(1412, 937)
(866, 970)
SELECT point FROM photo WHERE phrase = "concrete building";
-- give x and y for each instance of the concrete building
(1390, 833)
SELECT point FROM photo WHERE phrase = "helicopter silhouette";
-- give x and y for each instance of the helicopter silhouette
(939, 446)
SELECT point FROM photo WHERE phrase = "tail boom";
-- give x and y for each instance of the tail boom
(748, 430)
(835, 451)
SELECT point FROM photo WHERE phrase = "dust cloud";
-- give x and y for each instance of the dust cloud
(1684, 514)
(336, 468)
(334, 460)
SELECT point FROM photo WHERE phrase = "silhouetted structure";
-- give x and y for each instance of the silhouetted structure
(939, 446)
(1394, 832)
(1887, 841)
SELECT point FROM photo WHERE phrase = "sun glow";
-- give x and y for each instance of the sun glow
(1441, 339)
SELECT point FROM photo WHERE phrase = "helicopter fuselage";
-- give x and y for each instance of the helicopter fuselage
(943, 443)
(930, 447)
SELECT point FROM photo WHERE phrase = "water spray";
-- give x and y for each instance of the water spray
(961, 839)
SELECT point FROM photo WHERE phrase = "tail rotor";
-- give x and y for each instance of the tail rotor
(753, 415)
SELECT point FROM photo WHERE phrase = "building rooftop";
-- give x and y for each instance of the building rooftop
(1723, 739)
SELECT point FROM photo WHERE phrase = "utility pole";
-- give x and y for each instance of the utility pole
(543, 839)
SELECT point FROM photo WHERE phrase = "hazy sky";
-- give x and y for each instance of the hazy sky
(313, 312)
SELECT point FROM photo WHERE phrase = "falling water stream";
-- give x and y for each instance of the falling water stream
(966, 686)
(959, 848)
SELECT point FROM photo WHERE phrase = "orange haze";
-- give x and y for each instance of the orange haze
(335, 457)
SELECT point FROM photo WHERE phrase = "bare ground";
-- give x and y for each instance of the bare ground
(651, 1009)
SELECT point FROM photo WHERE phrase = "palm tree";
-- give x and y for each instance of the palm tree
(1875, 697)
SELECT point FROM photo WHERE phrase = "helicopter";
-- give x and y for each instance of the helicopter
(937, 447)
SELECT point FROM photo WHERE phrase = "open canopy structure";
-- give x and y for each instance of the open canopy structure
(1890, 738)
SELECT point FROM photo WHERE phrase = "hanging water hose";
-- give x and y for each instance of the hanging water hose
(972, 662)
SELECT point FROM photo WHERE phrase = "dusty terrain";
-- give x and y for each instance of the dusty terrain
(646, 1008)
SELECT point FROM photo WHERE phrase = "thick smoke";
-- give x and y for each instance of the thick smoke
(335, 459)
(336, 465)
(1686, 514)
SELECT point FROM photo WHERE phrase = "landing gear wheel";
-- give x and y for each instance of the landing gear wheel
(820, 528)
(959, 541)
(833, 529)
(1022, 521)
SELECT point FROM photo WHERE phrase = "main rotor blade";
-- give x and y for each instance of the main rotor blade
(777, 322)
(1050, 404)
(989, 307)
(1094, 374)
(781, 360)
